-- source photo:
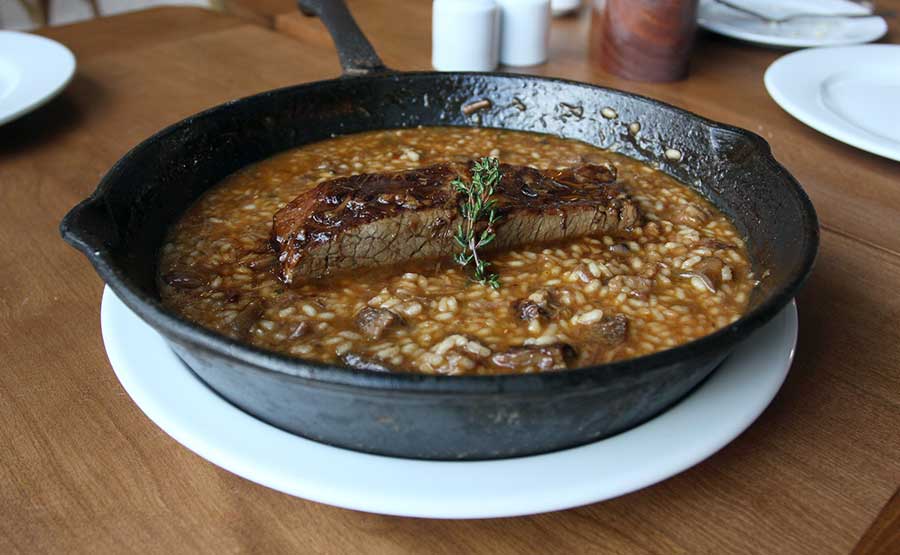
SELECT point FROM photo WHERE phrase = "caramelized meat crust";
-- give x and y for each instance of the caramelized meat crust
(379, 219)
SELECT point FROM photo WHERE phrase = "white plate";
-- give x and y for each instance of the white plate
(33, 70)
(800, 33)
(179, 403)
(850, 93)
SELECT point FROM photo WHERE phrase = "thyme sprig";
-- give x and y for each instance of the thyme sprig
(476, 230)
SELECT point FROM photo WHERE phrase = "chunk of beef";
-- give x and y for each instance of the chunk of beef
(536, 357)
(528, 310)
(379, 219)
(602, 338)
(540, 304)
(611, 330)
(374, 321)
(243, 322)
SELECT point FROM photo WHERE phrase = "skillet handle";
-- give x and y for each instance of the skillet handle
(354, 49)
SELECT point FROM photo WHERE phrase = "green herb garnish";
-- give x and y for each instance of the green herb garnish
(476, 229)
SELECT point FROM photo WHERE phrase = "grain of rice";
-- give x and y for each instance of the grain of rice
(588, 317)
(410, 309)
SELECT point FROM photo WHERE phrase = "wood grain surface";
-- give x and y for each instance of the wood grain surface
(883, 537)
(84, 471)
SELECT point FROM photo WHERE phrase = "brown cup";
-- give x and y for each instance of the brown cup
(645, 40)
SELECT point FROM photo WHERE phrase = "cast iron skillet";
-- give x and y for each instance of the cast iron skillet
(121, 226)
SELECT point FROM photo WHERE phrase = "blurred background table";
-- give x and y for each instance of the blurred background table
(83, 470)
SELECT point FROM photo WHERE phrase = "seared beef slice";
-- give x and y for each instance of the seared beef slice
(372, 220)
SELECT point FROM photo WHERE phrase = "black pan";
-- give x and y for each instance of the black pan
(121, 226)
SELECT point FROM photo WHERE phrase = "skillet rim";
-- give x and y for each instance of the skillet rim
(610, 375)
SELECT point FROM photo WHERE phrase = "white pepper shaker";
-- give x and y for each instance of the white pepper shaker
(465, 35)
(524, 31)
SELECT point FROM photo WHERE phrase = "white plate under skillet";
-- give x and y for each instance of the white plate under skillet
(850, 93)
(33, 70)
(797, 33)
(713, 415)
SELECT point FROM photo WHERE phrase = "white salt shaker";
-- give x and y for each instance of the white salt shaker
(524, 31)
(465, 35)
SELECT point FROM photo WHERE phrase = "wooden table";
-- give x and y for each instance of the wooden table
(83, 470)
